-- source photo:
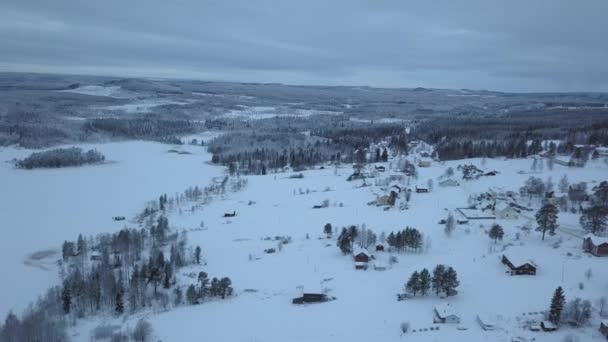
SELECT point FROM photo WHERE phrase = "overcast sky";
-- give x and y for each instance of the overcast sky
(532, 45)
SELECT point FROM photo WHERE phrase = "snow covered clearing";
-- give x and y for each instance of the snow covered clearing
(366, 307)
(264, 112)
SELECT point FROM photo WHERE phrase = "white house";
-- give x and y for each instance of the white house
(444, 313)
(503, 210)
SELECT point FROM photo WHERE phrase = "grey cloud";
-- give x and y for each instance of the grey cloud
(514, 46)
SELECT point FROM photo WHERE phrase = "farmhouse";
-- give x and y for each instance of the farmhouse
(604, 328)
(503, 210)
(519, 267)
(444, 313)
(475, 214)
(595, 245)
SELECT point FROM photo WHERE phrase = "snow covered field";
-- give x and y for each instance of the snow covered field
(366, 307)
(45, 207)
(42, 208)
(261, 112)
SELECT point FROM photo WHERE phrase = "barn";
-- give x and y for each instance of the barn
(518, 267)
(595, 245)
(361, 258)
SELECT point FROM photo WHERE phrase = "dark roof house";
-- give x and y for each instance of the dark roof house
(519, 267)
(595, 245)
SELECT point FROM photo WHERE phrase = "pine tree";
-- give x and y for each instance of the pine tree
(450, 225)
(564, 184)
(438, 278)
(327, 229)
(81, 245)
(593, 219)
(168, 276)
(344, 242)
(197, 255)
(546, 217)
(413, 284)
(425, 281)
(191, 295)
(120, 306)
(203, 278)
(384, 155)
(178, 296)
(450, 282)
(496, 232)
(557, 306)
(66, 298)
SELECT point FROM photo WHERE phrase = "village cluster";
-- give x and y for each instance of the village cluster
(535, 206)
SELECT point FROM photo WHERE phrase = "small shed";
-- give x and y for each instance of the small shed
(307, 298)
(547, 326)
(517, 266)
(444, 313)
(595, 245)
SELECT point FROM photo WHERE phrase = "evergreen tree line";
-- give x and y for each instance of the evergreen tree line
(208, 288)
(276, 150)
(60, 157)
(116, 279)
(148, 127)
(407, 239)
(444, 280)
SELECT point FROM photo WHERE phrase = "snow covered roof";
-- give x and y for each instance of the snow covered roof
(444, 310)
(359, 250)
(548, 325)
(485, 320)
(518, 260)
(597, 240)
(501, 205)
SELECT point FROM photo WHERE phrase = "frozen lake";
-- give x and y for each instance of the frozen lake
(42, 208)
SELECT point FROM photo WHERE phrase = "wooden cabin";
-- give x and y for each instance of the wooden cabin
(595, 245)
(519, 267)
